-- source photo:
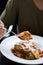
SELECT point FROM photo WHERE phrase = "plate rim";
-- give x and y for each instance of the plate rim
(14, 60)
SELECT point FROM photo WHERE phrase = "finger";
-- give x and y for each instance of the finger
(2, 32)
(1, 24)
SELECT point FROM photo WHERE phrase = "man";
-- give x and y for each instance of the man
(27, 14)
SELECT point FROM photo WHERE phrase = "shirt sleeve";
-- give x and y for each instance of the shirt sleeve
(9, 15)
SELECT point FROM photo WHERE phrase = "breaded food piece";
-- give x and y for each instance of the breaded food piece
(26, 35)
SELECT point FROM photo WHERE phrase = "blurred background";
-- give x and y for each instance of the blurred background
(2, 5)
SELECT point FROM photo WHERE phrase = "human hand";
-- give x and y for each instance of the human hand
(1, 24)
(2, 29)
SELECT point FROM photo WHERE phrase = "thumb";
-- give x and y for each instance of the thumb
(1, 24)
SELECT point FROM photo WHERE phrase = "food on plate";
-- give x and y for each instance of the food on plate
(27, 50)
(26, 35)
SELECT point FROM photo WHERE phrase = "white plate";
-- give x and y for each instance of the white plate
(8, 43)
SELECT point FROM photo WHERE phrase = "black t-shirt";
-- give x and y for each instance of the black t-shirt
(39, 17)
(25, 14)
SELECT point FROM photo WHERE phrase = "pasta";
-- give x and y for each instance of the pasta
(27, 50)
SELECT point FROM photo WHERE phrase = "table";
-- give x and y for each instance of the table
(5, 61)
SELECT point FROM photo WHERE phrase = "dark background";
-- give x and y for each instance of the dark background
(2, 5)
